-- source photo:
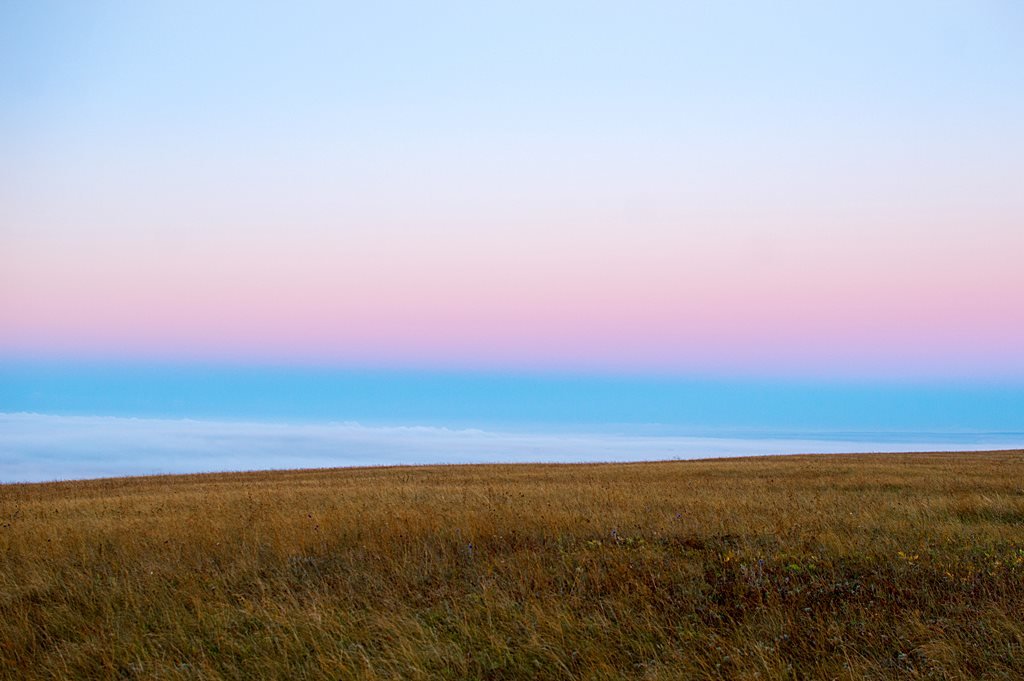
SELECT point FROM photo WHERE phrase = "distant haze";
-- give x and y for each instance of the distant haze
(40, 448)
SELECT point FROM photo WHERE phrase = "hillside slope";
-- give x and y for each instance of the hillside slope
(854, 566)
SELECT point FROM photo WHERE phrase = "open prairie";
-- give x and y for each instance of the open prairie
(850, 567)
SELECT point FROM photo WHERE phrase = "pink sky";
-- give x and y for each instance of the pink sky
(620, 296)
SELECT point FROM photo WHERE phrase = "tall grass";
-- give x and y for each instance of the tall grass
(860, 566)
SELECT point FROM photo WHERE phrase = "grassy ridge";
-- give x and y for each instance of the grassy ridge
(865, 566)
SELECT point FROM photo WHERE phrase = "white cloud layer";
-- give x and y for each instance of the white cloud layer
(37, 447)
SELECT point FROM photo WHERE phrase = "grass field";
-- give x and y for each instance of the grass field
(850, 567)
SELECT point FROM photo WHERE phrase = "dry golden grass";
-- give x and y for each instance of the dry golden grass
(865, 566)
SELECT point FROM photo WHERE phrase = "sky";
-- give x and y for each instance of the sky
(753, 203)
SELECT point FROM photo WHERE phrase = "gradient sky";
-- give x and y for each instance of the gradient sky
(824, 190)
(808, 189)
(248, 234)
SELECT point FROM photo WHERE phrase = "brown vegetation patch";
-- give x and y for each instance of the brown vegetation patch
(874, 566)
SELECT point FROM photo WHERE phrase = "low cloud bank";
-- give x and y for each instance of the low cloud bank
(37, 447)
